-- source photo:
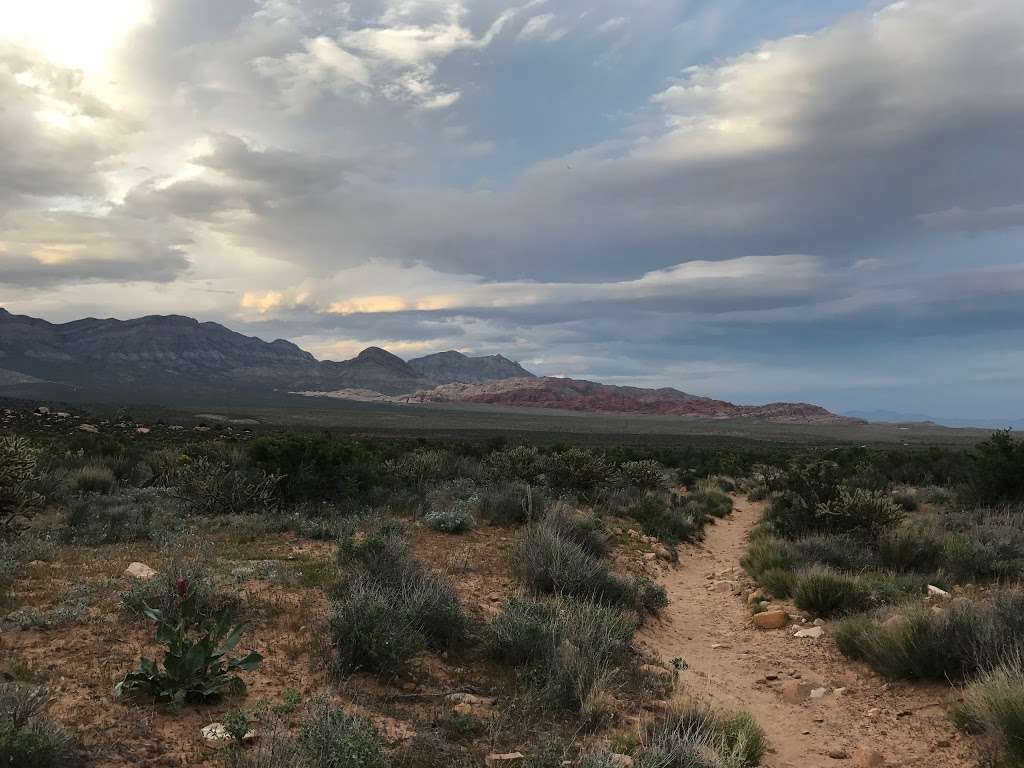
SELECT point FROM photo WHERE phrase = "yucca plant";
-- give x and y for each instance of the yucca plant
(196, 666)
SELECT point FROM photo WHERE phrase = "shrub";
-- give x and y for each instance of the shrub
(511, 503)
(710, 502)
(841, 551)
(196, 665)
(646, 475)
(912, 547)
(125, 517)
(997, 470)
(906, 498)
(520, 464)
(767, 553)
(390, 608)
(779, 582)
(585, 530)
(28, 739)
(950, 644)
(423, 467)
(825, 592)
(574, 647)
(859, 511)
(94, 477)
(458, 518)
(578, 471)
(330, 738)
(317, 468)
(18, 471)
(993, 706)
(161, 591)
(658, 516)
(692, 735)
(209, 488)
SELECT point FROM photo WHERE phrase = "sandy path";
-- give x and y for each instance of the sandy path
(728, 660)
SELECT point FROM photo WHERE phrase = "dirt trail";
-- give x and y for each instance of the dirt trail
(729, 662)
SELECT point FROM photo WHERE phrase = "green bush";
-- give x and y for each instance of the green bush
(511, 503)
(390, 609)
(767, 553)
(128, 516)
(457, 518)
(18, 472)
(692, 735)
(658, 516)
(951, 644)
(94, 477)
(779, 582)
(707, 502)
(319, 468)
(859, 511)
(993, 707)
(28, 739)
(519, 464)
(577, 471)
(645, 475)
(913, 547)
(836, 550)
(550, 563)
(997, 470)
(574, 647)
(824, 592)
(196, 664)
(210, 488)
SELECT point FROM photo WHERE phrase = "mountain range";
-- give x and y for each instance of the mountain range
(159, 357)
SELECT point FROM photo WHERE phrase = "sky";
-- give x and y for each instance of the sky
(816, 200)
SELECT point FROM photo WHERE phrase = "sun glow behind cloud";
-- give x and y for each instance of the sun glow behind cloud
(71, 32)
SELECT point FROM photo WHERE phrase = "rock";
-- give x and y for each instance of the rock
(88, 428)
(838, 753)
(794, 692)
(868, 758)
(217, 734)
(724, 586)
(621, 760)
(466, 698)
(42, 410)
(771, 619)
(819, 693)
(508, 758)
(812, 632)
(140, 571)
(663, 552)
(934, 591)
(819, 622)
(142, 430)
(649, 556)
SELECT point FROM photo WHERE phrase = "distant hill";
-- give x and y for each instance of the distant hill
(162, 358)
(581, 395)
(896, 417)
(450, 367)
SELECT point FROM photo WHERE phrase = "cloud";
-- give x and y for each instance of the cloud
(58, 137)
(987, 219)
(543, 28)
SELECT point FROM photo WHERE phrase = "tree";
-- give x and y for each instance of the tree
(18, 502)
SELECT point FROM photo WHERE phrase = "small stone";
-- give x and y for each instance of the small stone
(838, 753)
(649, 556)
(88, 428)
(663, 552)
(819, 693)
(140, 571)
(812, 632)
(819, 622)
(755, 597)
(934, 591)
(771, 619)
(725, 586)
(771, 676)
(840, 691)
(507, 758)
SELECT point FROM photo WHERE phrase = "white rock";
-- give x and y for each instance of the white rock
(508, 758)
(88, 428)
(215, 732)
(812, 632)
(934, 591)
(143, 572)
(819, 693)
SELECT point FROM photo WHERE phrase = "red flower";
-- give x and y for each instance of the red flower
(181, 586)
